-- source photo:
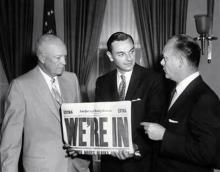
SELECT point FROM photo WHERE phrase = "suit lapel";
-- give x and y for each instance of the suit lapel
(44, 92)
(113, 87)
(63, 88)
(134, 82)
(66, 89)
(185, 94)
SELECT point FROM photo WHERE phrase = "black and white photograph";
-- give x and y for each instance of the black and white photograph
(109, 86)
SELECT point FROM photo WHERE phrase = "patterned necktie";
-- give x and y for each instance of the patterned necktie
(55, 92)
(122, 87)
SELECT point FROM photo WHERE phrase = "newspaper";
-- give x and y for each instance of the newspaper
(97, 128)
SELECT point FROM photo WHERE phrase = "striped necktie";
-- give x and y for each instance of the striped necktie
(122, 87)
(55, 92)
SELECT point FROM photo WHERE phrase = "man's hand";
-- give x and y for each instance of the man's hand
(122, 155)
(70, 151)
(155, 131)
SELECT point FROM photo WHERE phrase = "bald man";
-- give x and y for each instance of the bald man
(32, 118)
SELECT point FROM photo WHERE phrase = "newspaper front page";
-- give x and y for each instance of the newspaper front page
(97, 128)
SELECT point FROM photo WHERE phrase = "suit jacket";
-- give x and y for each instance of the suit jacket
(32, 122)
(189, 142)
(147, 87)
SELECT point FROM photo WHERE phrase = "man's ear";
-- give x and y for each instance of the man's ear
(109, 54)
(182, 61)
(41, 58)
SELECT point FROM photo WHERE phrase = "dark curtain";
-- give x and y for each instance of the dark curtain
(83, 21)
(16, 18)
(157, 21)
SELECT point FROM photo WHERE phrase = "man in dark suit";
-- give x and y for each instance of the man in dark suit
(188, 132)
(145, 88)
(32, 119)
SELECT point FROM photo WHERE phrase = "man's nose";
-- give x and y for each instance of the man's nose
(162, 62)
(129, 56)
(63, 60)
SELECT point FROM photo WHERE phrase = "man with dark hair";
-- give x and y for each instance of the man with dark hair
(32, 117)
(131, 82)
(188, 132)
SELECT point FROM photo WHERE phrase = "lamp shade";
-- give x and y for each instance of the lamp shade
(202, 24)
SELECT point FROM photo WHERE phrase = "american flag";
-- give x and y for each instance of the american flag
(49, 24)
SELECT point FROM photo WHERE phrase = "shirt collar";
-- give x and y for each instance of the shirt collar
(47, 78)
(126, 74)
(184, 83)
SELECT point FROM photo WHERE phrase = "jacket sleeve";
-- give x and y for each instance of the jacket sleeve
(12, 129)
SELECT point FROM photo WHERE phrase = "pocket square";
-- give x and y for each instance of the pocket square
(138, 99)
(173, 121)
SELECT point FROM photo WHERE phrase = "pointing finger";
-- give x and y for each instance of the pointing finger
(145, 124)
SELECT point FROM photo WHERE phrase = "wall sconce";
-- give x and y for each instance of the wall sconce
(203, 23)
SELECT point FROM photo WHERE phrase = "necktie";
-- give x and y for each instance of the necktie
(122, 87)
(172, 94)
(55, 92)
